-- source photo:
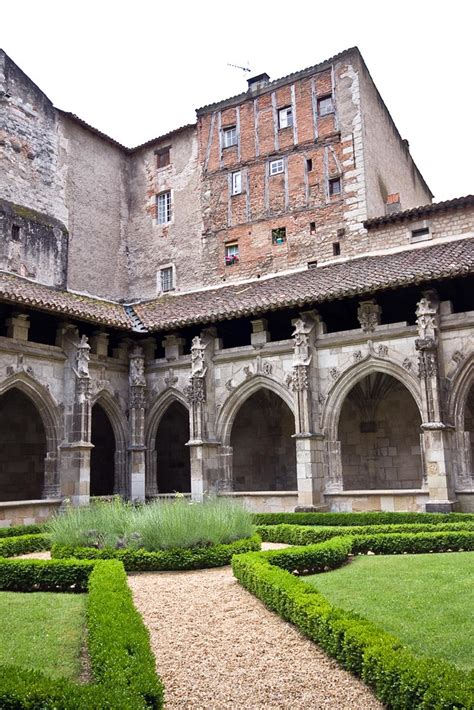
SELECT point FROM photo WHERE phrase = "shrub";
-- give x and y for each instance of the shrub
(371, 518)
(162, 525)
(121, 660)
(399, 677)
(178, 559)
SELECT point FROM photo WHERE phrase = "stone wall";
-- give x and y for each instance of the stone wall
(30, 152)
(33, 245)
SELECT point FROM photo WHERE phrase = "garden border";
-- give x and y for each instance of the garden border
(121, 659)
(140, 560)
(400, 678)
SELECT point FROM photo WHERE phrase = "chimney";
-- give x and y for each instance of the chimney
(393, 203)
(258, 82)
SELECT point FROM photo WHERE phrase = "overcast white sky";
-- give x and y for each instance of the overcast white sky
(139, 68)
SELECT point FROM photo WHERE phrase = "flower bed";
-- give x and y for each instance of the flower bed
(122, 664)
(400, 678)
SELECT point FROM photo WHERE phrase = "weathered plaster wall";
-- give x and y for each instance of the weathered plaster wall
(96, 194)
(389, 166)
(151, 246)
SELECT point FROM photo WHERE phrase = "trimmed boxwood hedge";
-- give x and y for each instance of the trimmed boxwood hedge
(399, 678)
(122, 663)
(311, 534)
(371, 518)
(15, 530)
(11, 546)
(179, 559)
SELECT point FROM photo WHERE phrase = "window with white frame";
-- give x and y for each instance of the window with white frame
(277, 166)
(166, 279)
(325, 105)
(231, 254)
(163, 207)
(236, 183)
(229, 136)
(285, 117)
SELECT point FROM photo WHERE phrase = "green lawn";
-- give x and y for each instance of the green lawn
(427, 601)
(43, 630)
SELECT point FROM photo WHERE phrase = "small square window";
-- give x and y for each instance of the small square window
(166, 279)
(335, 186)
(163, 207)
(162, 157)
(312, 227)
(285, 117)
(279, 235)
(336, 248)
(309, 165)
(312, 264)
(231, 254)
(325, 105)
(277, 166)
(420, 235)
(237, 183)
(229, 136)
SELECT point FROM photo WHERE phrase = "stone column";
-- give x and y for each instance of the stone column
(18, 326)
(437, 436)
(204, 450)
(75, 451)
(136, 419)
(309, 443)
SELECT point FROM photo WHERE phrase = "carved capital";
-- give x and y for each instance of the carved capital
(195, 392)
(369, 315)
(300, 378)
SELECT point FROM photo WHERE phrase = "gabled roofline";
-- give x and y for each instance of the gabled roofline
(276, 83)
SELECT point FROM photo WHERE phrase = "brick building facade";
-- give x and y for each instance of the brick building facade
(264, 304)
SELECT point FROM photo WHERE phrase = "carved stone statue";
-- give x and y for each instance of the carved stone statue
(198, 368)
(301, 347)
(83, 357)
(427, 318)
(137, 367)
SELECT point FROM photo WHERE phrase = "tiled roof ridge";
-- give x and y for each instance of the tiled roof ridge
(332, 281)
(455, 203)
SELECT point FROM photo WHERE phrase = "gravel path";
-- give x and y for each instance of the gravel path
(218, 647)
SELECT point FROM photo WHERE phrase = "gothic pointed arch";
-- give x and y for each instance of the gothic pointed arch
(459, 389)
(345, 383)
(113, 457)
(30, 429)
(235, 400)
(168, 467)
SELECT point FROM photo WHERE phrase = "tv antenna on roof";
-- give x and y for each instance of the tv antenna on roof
(237, 66)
